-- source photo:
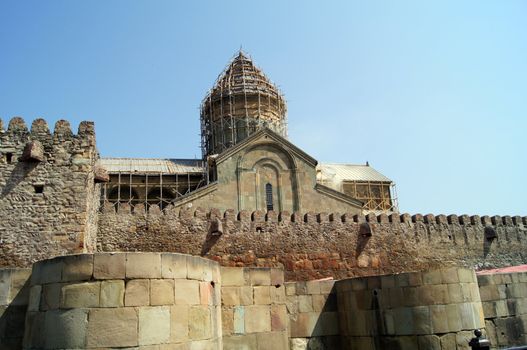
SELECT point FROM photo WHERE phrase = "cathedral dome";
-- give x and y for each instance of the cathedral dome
(242, 101)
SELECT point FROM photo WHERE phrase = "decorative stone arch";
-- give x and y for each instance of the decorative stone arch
(255, 166)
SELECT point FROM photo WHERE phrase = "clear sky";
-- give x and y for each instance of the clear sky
(432, 93)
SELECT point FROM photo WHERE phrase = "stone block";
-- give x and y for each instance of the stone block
(449, 275)
(186, 292)
(34, 333)
(466, 313)
(246, 295)
(260, 276)
(66, 329)
(161, 292)
(174, 266)
(80, 295)
(233, 276)
(143, 265)
(230, 296)
(415, 279)
(455, 293)
(387, 281)
(404, 322)
(290, 288)
(305, 323)
(396, 298)
(262, 295)
(319, 301)
(463, 338)
(466, 276)
(112, 328)
(421, 320)
(313, 287)
(240, 342)
(196, 268)
(239, 320)
(453, 317)
(154, 325)
(49, 271)
(227, 321)
(305, 303)
(257, 319)
(137, 293)
(206, 293)
(112, 293)
(50, 298)
(411, 296)
(77, 268)
(179, 323)
(432, 277)
(448, 341)
(19, 290)
(200, 326)
(109, 265)
(326, 287)
(272, 341)
(278, 318)
(439, 321)
(277, 277)
(34, 298)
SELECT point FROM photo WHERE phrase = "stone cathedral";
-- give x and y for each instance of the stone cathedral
(255, 246)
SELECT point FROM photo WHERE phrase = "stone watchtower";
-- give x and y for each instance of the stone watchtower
(242, 101)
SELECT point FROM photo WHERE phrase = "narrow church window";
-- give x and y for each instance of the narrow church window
(9, 158)
(269, 196)
(39, 188)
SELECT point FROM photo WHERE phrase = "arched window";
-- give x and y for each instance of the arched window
(269, 196)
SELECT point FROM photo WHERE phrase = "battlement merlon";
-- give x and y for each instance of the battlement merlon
(323, 217)
(61, 145)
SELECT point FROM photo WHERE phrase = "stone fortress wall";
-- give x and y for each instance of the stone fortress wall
(312, 246)
(178, 301)
(48, 198)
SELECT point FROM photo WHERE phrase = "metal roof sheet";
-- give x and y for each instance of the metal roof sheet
(349, 172)
(152, 165)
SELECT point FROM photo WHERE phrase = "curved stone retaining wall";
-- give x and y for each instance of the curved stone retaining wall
(124, 300)
(412, 311)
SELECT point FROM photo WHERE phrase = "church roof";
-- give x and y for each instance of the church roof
(350, 172)
(152, 165)
(241, 75)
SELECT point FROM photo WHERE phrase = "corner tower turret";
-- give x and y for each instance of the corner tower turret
(242, 101)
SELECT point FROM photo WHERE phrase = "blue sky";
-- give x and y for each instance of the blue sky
(432, 93)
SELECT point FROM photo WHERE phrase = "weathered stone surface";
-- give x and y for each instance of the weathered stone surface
(173, 266)
(50, 298)
(112, 293)
(257, 319)
(179, 323)
(109, 265)
(78, 268)
(154, 325)
(199, 322)
(137, 293)
(80, 295)
(260, 276)
(262, 295)
(66, 329)
(186, 292)
(240, 342)
(143, 265)
(112, 328)
(161, 292)
(232, 276)
(272, 341)
(34, 298)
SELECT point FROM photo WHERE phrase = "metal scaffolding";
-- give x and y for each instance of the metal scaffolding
(242, 101)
